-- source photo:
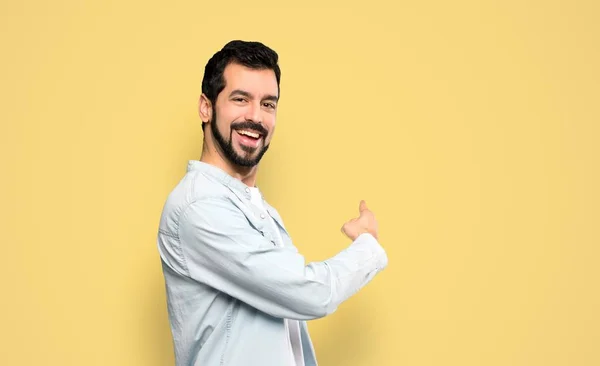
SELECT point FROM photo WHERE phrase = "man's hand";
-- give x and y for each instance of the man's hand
(364, 223)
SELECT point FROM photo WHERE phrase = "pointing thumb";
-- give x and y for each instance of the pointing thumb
(363, 206)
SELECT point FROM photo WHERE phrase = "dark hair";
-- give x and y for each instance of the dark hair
(253, 55)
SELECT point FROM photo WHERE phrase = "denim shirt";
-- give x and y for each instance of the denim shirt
(229, 287)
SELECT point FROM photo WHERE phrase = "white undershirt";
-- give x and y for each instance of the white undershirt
(292, 326)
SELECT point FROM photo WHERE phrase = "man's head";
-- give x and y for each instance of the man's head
(240, 91)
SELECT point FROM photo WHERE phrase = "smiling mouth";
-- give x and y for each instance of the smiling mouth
(249, 140)
(251, 134)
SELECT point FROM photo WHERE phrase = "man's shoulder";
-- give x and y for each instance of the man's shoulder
(195, 186)
(192, 188)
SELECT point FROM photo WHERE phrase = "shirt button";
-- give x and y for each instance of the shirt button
(262, 215)
(247, 190)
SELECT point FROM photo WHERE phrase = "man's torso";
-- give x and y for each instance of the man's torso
(208, 326)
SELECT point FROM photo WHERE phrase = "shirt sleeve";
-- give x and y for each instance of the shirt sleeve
(222, 250)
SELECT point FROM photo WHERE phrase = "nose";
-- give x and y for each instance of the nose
(253, 113)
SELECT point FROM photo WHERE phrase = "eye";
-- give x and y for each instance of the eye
(238, 99)
(269, 105)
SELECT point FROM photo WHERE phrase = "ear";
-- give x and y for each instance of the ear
(204, 109)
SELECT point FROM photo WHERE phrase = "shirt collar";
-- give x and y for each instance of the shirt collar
(236, 185)
(221, 176)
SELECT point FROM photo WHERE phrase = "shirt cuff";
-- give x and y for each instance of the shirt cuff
(379, 254)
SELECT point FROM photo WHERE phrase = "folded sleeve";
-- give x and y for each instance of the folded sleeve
(222, 250)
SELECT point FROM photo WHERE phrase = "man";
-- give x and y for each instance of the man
(238, 291)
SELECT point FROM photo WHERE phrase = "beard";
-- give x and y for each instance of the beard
(247, 159)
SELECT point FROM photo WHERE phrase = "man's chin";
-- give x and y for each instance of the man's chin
(246, 156)
(246, 159)
(246, 163)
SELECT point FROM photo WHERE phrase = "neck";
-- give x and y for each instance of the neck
(211, 155)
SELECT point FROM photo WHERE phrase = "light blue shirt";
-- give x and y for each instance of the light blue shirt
(230, 287)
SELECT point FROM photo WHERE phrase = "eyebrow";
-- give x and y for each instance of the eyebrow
(248, 95)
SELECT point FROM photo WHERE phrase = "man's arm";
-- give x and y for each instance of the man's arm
(222, 251)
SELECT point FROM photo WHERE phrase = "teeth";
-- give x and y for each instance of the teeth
(248, 133)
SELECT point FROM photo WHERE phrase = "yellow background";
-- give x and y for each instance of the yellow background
(470, 127)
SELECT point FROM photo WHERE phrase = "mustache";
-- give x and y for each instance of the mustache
(247, 125)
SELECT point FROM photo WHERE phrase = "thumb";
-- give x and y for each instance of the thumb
(362, 206)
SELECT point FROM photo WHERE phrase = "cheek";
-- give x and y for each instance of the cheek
(269, 122)
(224, 119)
(223, 127)
(271, 128)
